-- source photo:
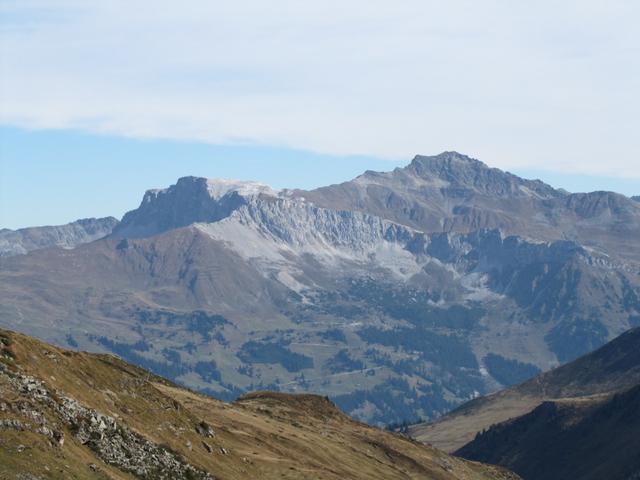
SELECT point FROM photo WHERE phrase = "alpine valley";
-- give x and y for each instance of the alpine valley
(399, 295)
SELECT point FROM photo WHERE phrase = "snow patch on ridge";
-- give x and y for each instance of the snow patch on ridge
(219, 187)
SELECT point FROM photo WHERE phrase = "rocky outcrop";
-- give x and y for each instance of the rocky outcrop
(190, 200)
(112, 442)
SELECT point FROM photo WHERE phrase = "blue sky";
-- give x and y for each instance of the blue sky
(99, 101)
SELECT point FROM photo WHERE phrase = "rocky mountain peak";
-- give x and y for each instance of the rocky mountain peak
(446, 158)
(190, 200)
(445, 162)
(460, 170)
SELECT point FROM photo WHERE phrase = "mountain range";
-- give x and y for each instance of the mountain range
(400, 294)
(577, 421)
(67, 414)
(25, 240)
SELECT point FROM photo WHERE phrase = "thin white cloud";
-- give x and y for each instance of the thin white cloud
(538, 84)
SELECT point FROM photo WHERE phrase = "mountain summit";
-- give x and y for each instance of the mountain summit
(451, 192)
(459, 170)
(190, 200)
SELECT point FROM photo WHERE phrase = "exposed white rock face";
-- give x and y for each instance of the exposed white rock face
(281, 231)
(20, 242)
(293, 239)
(261, 223)
(303, 225)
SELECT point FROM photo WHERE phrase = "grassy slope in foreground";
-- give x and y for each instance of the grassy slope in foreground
(615, 367)
(75, 415)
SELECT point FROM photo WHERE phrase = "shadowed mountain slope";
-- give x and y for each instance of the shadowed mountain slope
(582, 439)
(613, 368)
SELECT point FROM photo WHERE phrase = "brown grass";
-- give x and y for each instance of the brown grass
(262, 435)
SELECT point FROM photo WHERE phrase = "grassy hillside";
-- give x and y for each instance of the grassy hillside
(74, 415)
